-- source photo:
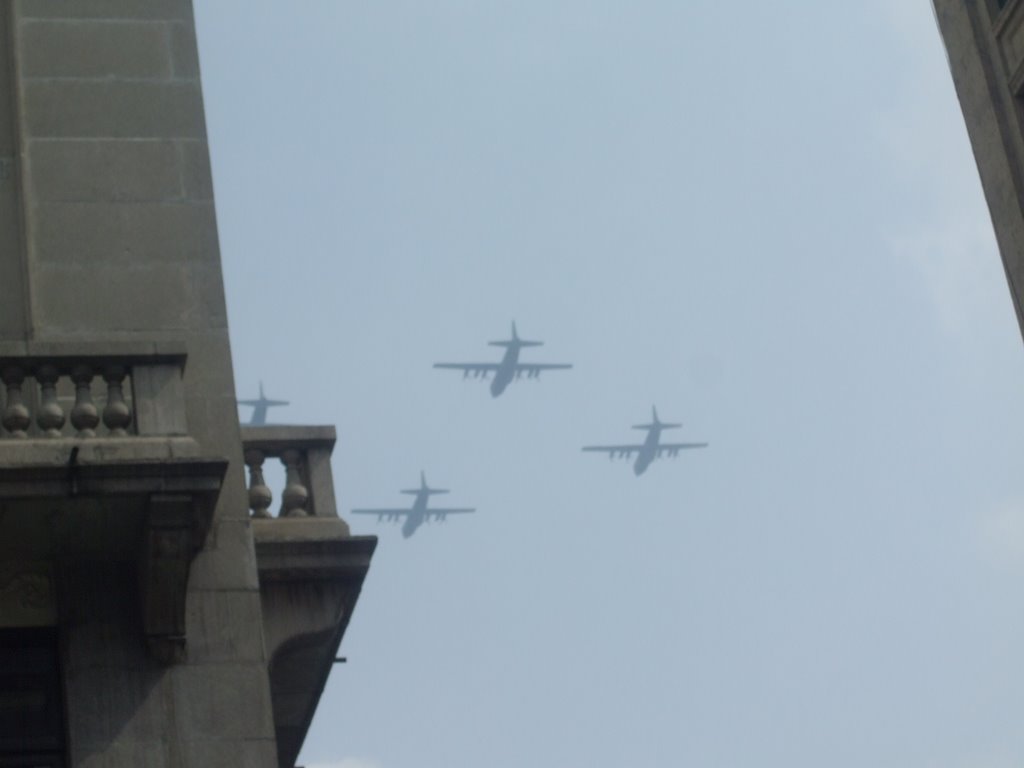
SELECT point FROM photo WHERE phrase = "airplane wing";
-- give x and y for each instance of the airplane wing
(672, 449)
(532, 370)
(477, 369)
(440, 513)
(390, 514)
(624, 451)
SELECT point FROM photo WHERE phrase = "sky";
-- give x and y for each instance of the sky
(765, 219)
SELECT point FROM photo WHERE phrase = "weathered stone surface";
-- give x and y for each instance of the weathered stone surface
(211, 380)
(28, 596)
(95, 49)
(217, 752)
(108, 242)
(197, 181)
(125, 233)
(113, 109)
(17, 455)
(110, 298)
(209, 700)
(120, 704)
(228, 560)
(981, 44)
(115, 10)
(184, 51)
(220, 626)
(207, 299)
(311, 573)
(13, 314)
(113, 171)
(159, 400)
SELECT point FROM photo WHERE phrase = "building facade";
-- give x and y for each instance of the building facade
(985, 44)
(154, 610)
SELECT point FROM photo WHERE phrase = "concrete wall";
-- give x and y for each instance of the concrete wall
(107, 232)
(13, 290)
(987, 64)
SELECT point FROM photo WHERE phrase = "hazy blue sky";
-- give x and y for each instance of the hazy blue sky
(762, 217)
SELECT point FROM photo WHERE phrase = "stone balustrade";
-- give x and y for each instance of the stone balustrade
(305, 453)
(90, 390)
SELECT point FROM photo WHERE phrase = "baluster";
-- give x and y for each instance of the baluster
(260, 495)
(16, 418)
(85, 417)
(50, 417)
(116, 415)
(295, 495)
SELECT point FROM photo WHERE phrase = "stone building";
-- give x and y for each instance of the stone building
(153, 611)
(985, 43)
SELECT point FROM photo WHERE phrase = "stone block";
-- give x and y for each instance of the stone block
(207, 374)
(196, 177)
(223, 701)
(151, 754)
(111, 703)
(27, 594)
(113, 109)
(124, 233)
(159, 400)
(224, 625)
(7, 101)
(228, 560)
(104, 9)
(213, 421)
(96, 171)
(208, 303)
(250, 753)
(95, 49)
(105, 643)
(184, 51)
(103, 298)
(321, 482)
(12, 308)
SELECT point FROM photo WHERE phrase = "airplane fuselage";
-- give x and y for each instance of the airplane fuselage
(506, 370)
(648, 452)
(259, 415)
(416, 516)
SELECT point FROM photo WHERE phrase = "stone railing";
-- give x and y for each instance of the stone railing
(305, 453)
(88, 390)
(85, 421)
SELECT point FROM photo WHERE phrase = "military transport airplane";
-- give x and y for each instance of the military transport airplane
(509, 368)
(260, 406)
(418, 514)
(651, 448)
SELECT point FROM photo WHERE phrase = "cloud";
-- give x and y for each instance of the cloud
(346, 762)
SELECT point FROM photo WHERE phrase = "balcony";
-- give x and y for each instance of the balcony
(311, 570)
(96, 463)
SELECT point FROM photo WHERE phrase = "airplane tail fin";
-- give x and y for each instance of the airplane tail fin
(424, 488)
(515, 341)
(656, 423)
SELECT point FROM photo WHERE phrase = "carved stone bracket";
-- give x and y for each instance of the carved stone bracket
(172, 535)
(138, 499)
(311, 571)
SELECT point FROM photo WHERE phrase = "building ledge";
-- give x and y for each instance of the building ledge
(150, 500)
(311, 572)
